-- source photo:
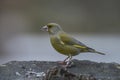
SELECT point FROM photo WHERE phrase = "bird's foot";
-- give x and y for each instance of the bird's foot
(62, 62)
(67, 64)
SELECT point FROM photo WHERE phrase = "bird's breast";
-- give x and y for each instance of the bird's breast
(63, 48)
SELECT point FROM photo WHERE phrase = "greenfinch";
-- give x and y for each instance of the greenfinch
(65, 43)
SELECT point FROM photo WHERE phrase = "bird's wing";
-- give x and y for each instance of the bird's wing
(68, 40)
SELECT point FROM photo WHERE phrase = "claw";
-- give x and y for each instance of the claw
(67, 63)
(62, 62)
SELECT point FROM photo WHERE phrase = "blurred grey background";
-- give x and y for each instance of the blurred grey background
(94, 22)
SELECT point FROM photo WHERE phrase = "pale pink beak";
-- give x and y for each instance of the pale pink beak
(44, 28)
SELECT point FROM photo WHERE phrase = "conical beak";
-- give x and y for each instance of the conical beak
(44, 28)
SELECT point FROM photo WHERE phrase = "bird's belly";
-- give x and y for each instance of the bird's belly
(66, 49)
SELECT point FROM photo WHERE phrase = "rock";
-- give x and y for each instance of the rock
(46, 70)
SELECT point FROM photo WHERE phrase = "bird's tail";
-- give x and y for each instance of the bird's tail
(94, 51)
(99, 52)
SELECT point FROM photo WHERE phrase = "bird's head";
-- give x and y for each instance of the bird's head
(52, 28)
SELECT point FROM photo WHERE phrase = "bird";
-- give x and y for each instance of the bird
(64, 43)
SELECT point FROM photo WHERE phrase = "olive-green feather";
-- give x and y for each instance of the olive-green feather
(70, 40)
(64, 43)
(62, 47)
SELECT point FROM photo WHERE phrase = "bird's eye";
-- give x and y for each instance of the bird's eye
(49, 26)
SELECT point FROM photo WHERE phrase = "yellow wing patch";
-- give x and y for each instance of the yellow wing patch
(78, 46)
(62, 42)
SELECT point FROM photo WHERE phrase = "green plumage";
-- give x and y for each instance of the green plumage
(67, 45)
(62, 47)
(64, 43)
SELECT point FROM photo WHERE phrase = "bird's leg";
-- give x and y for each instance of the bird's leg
(69, 62)
(66, 59)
